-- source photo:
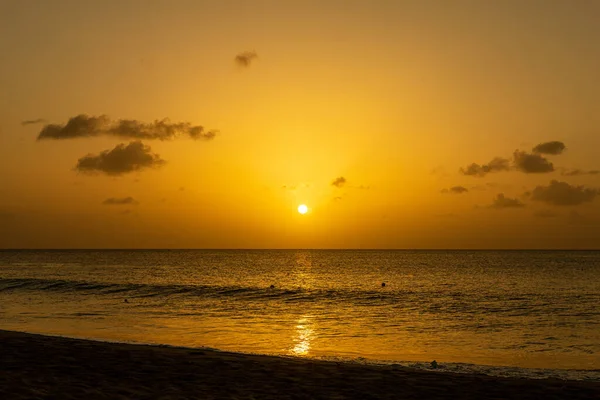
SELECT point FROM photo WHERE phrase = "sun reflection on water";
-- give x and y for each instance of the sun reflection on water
(303, 338)
(304, 328)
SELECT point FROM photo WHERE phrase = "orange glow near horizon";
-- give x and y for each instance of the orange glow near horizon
(368, 114)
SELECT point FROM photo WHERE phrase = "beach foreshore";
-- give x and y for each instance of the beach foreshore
(46, 367)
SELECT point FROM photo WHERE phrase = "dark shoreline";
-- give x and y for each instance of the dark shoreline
(43, 367)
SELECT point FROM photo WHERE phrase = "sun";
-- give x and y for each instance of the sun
(302, 209)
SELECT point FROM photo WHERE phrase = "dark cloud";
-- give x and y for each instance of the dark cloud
(159, 129)
(79, 126)
(531, 163)
(245, 58)
(578, 172)
(456, 190)
(554, 148)
(522, 161)
(505, 202)
(339, 182)
(562, 194)
(120, 160)
(89, 126)
(120, 201)
(33, 121)
(496, 165)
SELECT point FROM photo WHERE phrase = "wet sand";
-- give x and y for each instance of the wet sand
(43, 367)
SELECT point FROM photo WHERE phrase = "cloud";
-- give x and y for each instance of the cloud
(298, 186)
(496, 165)
(522, 161)
(160, 129)
(505, 202)
(88, 126)
(119, 201)
(339, 182)
(33, 121)
(578, 172)
(562, 194)
(79, 126)
(456, 190)
(120, 160)
(553, 148)
(245, 58)
(531, 163)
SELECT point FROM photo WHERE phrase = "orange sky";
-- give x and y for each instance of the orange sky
(394, 96)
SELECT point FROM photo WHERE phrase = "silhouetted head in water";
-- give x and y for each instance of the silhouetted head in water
(125, 301)
(272, 286)
(382, 284)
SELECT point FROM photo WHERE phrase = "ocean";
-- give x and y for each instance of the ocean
(508, 313)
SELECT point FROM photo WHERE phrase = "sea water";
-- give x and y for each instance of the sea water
(512, 313)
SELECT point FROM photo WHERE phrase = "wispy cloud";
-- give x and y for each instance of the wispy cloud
(33, 121)
(89, 126)
(245, 58)
(579, 172)
(456, 190)
(120, 201)
(120, 160)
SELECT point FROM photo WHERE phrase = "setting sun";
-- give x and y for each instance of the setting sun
(302, 209)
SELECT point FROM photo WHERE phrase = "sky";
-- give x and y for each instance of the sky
(205, 124)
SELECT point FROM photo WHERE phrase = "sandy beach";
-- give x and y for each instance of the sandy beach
(43, 367)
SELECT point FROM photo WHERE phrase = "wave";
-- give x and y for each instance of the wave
(207, 291)
(443, 303)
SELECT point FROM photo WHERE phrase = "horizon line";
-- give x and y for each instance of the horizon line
(284, 249)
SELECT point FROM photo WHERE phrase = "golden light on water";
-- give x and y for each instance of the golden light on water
(303, 337)
(302, 209)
